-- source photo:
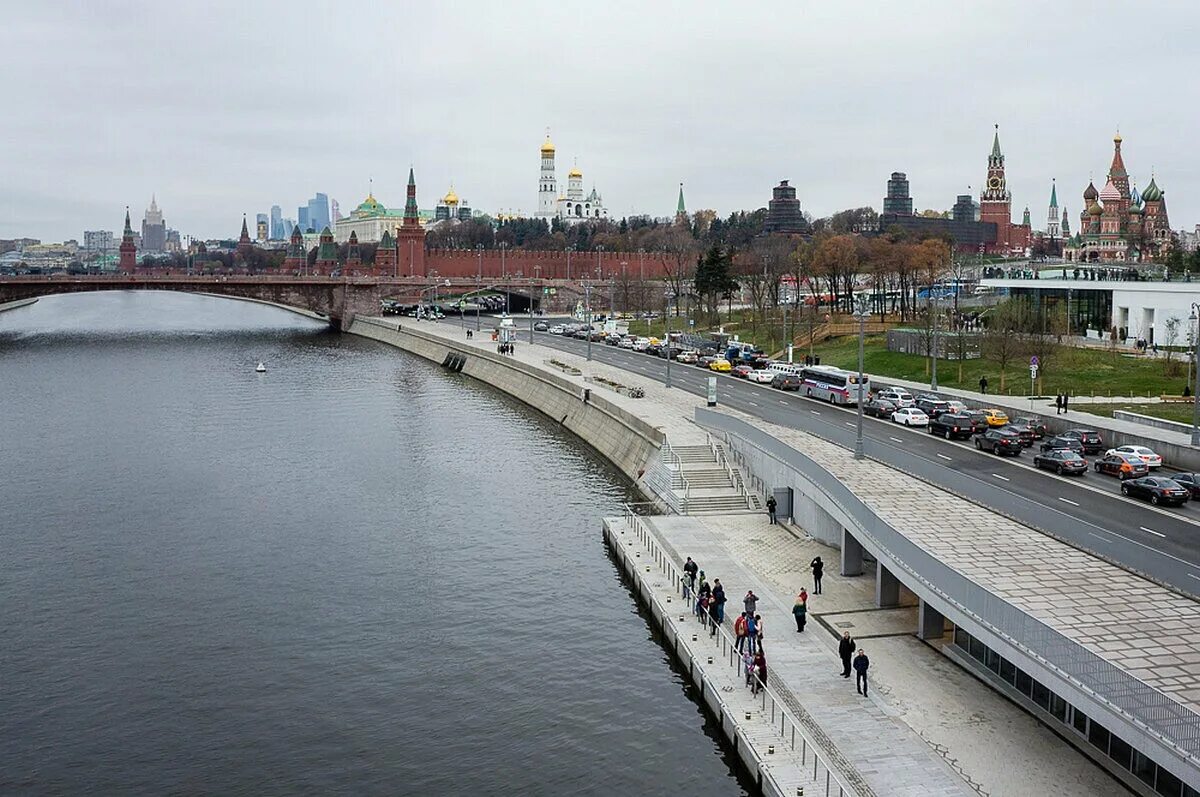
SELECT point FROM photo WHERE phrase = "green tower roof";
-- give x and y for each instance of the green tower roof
(680, 208)
(996, 144)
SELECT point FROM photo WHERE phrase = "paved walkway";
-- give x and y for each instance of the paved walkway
(926, 715)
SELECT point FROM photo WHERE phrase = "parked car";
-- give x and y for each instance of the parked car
(957, 407)
(654, 349)
(1189, 482)
(557, 329)
(1036, 425)
(880, 408)
(640, 344)
(786, 381)
(541, 326)
(626, 343)
(901, 398)
(706, 360)
(687, 357)
(979, 421)
(999, 441)
(670, 352)
(1061, 460)
(742, 371)
(1060, 442)
(762, 376)
(1152, 460)
(994, 416)
(613, 339)
(1123, 466)
(910, 416)
(721, 365)
(1024, 432)
(1158, 489)
(931, 405)
(1093, 443)
(950, 425)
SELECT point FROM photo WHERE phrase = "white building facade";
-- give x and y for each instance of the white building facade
(572, 207)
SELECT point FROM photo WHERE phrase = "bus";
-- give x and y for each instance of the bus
(834, 385)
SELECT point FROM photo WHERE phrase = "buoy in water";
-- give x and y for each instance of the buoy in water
(262, 369)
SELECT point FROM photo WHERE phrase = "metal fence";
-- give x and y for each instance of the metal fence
(791, 731)
(1142, 706)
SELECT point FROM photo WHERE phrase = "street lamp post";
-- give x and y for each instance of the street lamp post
(479, 258)
(1195, 319)
(933, 337)
(504, 276)
(669, 296)
(587, 309)
(861, 313)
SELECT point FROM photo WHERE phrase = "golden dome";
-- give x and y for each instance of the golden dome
(574, 172)
(1117, 138)
(547, 148)
(450, 198)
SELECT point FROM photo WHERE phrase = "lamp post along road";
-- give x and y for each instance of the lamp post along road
(667, 316)
(587, 309)
(1195, 319)
(933, 342)
(861, 313)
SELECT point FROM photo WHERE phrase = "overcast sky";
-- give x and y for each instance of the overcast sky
(224, 108)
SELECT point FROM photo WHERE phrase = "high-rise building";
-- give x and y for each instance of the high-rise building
(154, 228)
(783, 212)
(335, 211)
(97, 240)
(898, 200)
(261, 230)
(302, 218)
(318, 212)
(277, 231)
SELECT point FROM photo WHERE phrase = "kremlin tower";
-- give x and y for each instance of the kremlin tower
(297, 255)
(410, 238)
(547, 183)
(128, 261)
(244, 245)
(995, 207)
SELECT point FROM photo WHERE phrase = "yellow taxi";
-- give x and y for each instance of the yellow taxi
(994, 416)
(720, 365)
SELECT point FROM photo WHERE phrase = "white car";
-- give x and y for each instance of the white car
(557, 329)
(956, 407)
(626, 343)
(687, 357)
(640, 344)
(762, 376)
(910, 416)
(1146, 455)
(897, 396)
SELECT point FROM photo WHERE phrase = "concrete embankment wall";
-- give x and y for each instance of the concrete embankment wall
(14, 305)
(621, 437)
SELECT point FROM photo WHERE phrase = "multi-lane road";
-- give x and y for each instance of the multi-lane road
(1087, 511)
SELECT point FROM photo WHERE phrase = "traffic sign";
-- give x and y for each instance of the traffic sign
(1033, 361)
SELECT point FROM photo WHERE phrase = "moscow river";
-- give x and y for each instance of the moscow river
(355, 573)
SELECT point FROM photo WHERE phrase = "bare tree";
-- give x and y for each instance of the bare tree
(1171, 328)
(1000, 342)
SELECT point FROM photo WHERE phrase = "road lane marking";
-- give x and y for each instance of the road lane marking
(895, 439)
(1193, 575)
(1002, 478)
(1152, 531)
(752, 403)
(943, 456)
(848, 423)
(814, 412)
(1068, 501)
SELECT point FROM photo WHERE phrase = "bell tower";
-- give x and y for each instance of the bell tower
(995, 202)
(547, 184)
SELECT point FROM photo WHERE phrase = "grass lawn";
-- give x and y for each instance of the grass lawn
(1082, 372)
(1181, 412)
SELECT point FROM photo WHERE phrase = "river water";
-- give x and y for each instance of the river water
(355, 573)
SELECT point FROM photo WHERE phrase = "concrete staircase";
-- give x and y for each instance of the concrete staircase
(706, 482)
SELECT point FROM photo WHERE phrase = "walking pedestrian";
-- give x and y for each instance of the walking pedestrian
(718, 595)
(846, 648)
(714, 615)
(702, 609)
(739, 632)
(802, 595)
(760, 671)
(1066, 400)
(983, 384)
(1058, 403)
(818, 570)
(750, 601)
(751, 633)
(690, 568)
(861, 663)
(771, 509)
(800, 612)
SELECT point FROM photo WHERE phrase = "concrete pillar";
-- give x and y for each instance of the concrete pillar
(931, 624)
(852, 555)
(887, 587)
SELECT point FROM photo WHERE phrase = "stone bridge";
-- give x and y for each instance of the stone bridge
(337, 299)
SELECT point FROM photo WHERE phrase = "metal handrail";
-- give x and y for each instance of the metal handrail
(789, 727)
(683, 481)
(1159, 715)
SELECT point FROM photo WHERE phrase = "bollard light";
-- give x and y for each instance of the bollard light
(710, 659)
(647, 568)
(747, 715)
(770, 749)
(799, 791)
(694, 637)
(668, 599)
(681, 618)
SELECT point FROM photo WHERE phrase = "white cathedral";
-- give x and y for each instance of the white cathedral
(574, 206)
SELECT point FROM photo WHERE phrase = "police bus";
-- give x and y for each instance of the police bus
(834, 385)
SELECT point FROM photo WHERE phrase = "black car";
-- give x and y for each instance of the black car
(541, 326)
(1123, 466)
(1158, 489)
(1036, 424)
(669, 352)
(1061, 460)
(654, 349)
(1189, 482)
(999, 441)
(786, 382)
(879, 408)
(950, 425)
(1063, 443)
(1092, 442)
(1023, 431)
(931, 405)
(979, 421)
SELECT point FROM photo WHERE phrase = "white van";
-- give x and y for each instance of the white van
(784, 368)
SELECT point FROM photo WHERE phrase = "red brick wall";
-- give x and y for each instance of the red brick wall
(545, 264)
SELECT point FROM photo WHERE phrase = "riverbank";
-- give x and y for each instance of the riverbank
(5, 306)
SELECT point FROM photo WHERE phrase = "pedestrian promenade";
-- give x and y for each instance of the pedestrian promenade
(928, 726)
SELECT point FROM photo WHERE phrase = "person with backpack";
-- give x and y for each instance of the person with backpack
(751, 632)
(739, 631)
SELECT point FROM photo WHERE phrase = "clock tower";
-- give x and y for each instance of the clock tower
(995, 202)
